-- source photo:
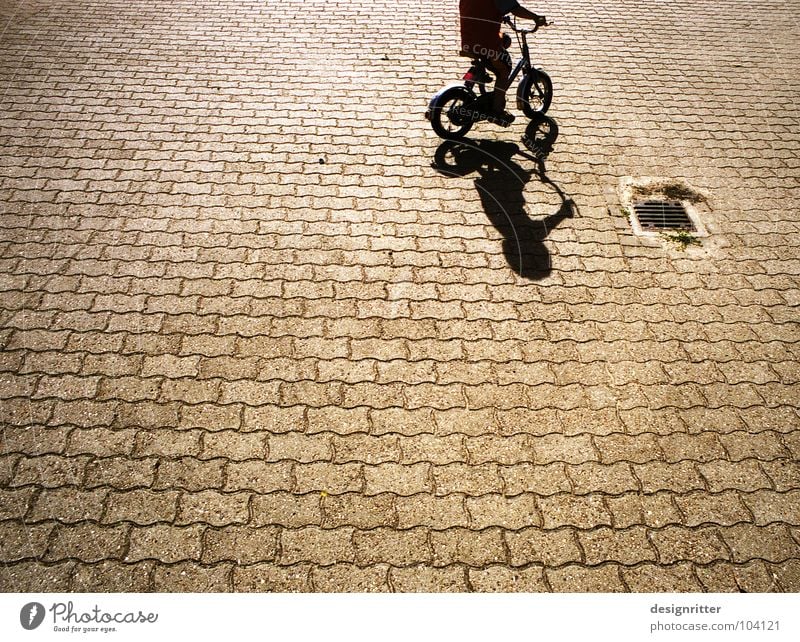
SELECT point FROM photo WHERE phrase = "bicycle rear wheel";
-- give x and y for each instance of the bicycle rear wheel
(450, 117)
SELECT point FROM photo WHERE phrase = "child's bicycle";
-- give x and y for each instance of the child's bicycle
(454, 109)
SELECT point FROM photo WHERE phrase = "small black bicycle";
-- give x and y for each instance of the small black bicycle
(454, 109)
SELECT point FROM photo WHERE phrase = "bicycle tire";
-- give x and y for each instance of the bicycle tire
(535, 93)
(442, 120)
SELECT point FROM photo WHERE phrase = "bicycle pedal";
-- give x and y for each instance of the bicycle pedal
(502, 122)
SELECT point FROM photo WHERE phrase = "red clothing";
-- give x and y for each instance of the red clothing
(480, 27)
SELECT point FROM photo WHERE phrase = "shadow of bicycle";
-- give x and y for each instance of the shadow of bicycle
(523, 216)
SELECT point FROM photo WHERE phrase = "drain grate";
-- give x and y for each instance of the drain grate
(662, 215)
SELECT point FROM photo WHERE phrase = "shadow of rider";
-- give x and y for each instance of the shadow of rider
(501, 183)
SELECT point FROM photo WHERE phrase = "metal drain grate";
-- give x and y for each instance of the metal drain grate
(662, 215)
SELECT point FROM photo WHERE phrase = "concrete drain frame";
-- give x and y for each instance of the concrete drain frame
(634, 191)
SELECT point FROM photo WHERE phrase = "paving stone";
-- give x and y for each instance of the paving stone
(719, 420)
(467, 479)
(480, 421)
(189, 473)
(365, 448)
(111, 577)
(36, 577)
(49, 471)
(435, 512)
(473, 548)
(646, 420)
(196, 350)
(506, 512)
(396, 420)
(141, 507)
(718, 577)
(349, 578)
(240, 544)
(191, 577)
(165, 543)
(14, 503)
(783, 473)
(755, 577)
(286, 509)
(541, 480)
(581, 579)
(20, 541)
(168, 365)
(211, 417)
(317, 546)
(628, 547)
(398, 479)
(749, 542)
(603, 421)
(768, 507)
(550, 548)
(679, 477)
(427, 579)
(433, 449)
(190, 390)
(68, 505)
(130, 389)
(557, 448)
(251, 393)
(338, 420)
(66, 387)
(234, 445)
(724, 508)
(81, 413)
(650, 578)
(501, 579)
(354, 509)
(702, 447)
(101, 442)
(121, 472)
(397, 547)
(212, 507)
(612, 479)
(676, 543)
(762, 445)
(168, 443)
(567, 510)
(147, 414)
(88, 542)
(23, 412)
(533, 422)
(515, 449)
(35, 440)
(328, 478)
(724, 475)
(273, 419)
(787, 575)
(272, 578)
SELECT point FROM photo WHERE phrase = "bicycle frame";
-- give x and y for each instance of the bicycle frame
(480, 64)
(523, 63)
(525, 59)
(455, 108)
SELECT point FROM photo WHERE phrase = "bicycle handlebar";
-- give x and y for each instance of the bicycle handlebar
(512, 24)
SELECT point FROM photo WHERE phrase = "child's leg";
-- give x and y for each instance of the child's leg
(501, 65)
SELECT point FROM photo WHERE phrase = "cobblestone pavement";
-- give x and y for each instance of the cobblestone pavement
(254, 340)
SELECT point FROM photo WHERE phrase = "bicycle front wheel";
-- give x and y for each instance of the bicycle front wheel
(535, 93)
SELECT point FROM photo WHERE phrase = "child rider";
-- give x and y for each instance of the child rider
(480, 37)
